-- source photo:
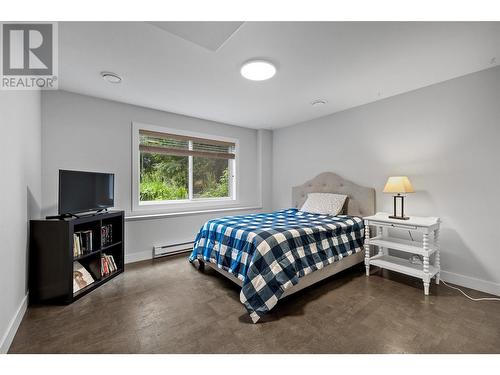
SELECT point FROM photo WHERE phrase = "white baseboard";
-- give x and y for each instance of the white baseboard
(137, 257)
(471, 282)
(8, 336)
(144, 255)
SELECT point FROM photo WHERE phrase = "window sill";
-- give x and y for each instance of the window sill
(152, 216)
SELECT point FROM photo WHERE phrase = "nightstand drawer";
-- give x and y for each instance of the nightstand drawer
(402, 226)
(391, 225)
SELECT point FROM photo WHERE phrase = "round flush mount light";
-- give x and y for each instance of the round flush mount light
(318, 102)
(258, 70)
(111, 77)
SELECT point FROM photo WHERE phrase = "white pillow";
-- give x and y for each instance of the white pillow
(324, 203)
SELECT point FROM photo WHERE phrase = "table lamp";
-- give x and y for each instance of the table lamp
(399, 185)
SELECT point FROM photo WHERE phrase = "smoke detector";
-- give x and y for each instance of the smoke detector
(111, 77)
(318, 102)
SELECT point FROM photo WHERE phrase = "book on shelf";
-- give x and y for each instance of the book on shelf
(82, 243)
(76, 245)
(108, 265)
(113, 264)
(106, 235)
(81, 277)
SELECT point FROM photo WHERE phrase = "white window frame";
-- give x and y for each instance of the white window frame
(182, 205)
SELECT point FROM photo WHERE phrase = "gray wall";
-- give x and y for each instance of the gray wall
(20, 199)
(87, 133)
(445, 137)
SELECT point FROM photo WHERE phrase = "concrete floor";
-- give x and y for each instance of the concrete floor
(167, 306)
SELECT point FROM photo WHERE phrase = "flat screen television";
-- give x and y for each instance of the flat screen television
(85, 191)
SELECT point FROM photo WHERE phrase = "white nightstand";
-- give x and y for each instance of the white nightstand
(424, 225)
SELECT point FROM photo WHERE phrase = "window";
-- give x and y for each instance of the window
(176, 167)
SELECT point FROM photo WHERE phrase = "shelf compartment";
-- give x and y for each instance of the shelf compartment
(116, 225)
(92, 265)
(401, 265)
(413, 247)
(95, 284)
(116, 252)
(96, 234)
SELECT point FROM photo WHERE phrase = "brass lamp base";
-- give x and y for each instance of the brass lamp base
(399, 217)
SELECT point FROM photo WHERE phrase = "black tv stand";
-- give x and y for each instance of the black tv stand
(52, 257)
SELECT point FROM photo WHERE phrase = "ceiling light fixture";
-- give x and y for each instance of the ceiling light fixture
(258, 70)
(111, 77)
(318, 102)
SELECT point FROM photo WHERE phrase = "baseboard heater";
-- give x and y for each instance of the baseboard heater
(172, 249)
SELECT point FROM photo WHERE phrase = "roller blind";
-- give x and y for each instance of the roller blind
(174, 144)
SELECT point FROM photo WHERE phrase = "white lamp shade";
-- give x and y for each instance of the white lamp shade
(398, 184)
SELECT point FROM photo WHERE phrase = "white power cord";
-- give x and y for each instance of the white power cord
(469, 297)
(413, 261)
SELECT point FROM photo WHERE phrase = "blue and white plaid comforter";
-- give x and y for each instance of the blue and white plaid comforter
(269, 252)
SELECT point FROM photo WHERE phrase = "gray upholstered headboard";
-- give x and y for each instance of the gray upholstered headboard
(361, 201)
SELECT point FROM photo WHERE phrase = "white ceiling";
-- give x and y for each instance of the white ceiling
(196, 72)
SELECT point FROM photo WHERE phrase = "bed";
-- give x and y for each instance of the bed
(273, 255)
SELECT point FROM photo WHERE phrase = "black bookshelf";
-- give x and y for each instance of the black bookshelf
(51, 255)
